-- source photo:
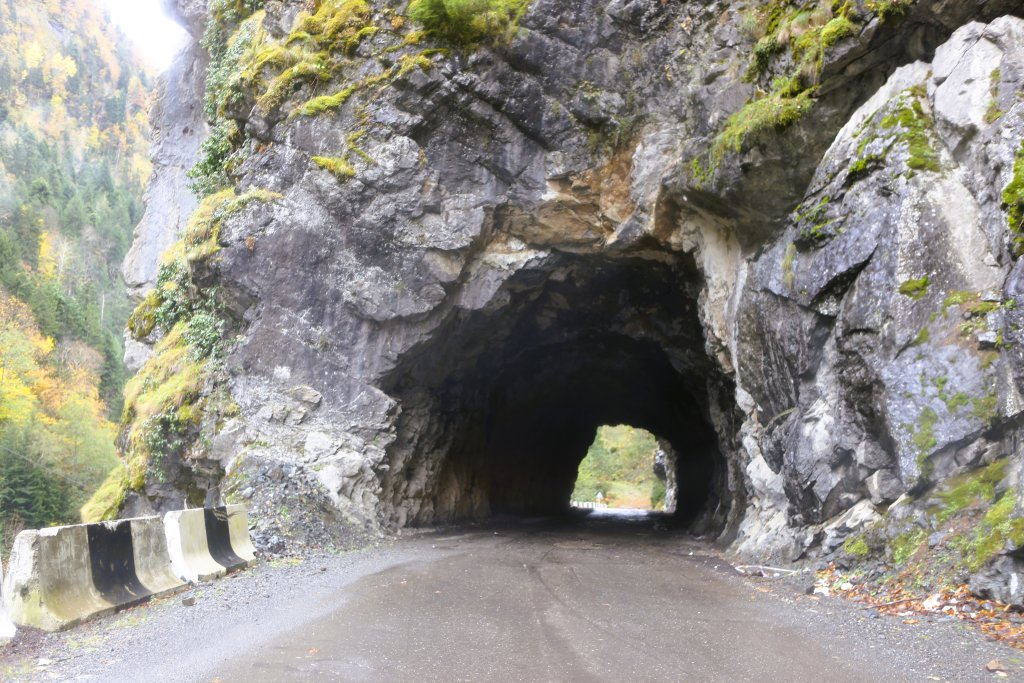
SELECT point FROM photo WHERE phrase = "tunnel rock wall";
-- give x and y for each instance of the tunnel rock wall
(527, 240)
(876, 332)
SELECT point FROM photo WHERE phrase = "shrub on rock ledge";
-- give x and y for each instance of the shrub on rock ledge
(468, 21)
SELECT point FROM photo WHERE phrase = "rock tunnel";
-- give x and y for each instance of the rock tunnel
(499, 409)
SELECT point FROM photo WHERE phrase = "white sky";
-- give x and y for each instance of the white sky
(156, 36)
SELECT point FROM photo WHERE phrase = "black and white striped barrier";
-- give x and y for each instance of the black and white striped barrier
(587, 505)
(7, 629)
(209, 542)
(61, 576)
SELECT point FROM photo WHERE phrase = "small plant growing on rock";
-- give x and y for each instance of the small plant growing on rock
(468, 22)
(1013, 200)
(336, 166)
(915, 288)
(886, 9)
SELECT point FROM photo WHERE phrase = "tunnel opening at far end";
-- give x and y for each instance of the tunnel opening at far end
(501, 404)
(626, 468)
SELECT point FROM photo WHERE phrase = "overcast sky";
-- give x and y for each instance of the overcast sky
(155, 34)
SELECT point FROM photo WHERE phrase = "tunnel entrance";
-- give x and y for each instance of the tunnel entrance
(624, 467)
(499, 407)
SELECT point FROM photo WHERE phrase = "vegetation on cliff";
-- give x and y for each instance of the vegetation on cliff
(466, 22)
(792, 41)
(166, 401)
(73, 163)
(1013, 200)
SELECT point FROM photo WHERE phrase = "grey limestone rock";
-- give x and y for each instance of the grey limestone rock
(525, 251)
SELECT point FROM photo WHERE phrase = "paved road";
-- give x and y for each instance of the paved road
(612, 601)
(604, 600)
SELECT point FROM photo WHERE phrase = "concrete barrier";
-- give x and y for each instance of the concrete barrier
(7, 629)
(62, 575)
(205, 543)
(238, 526)
(188, 548)
(152, 561)
(49, 580)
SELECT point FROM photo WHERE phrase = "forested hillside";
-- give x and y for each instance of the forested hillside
(73, 164)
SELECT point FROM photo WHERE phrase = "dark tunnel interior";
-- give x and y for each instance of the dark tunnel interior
(497, 417)
(545, 408)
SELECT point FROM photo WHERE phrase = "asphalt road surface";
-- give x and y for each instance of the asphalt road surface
(602, 600)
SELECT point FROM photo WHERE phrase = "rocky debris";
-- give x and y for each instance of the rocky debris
(290, 512)
(854, 520)
(996, 619)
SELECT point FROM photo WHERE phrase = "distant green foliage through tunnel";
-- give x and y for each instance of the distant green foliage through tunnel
(620, 466)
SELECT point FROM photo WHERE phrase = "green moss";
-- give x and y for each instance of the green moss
(468, 22)
(888, 9)
(701, 174)
(856, 546)
(915, 288)
(106, 502)
(810, 31)
(230, 57)
(159, 403)
(274, 55)
(334, 19)
(170, 380)
(315, 67)
(337, 166)
(814, 221)
(143, 319)
(923, 438)
(203, 227)
(326, 103)
(862, 166)
(421, 61)
(958, 298)
(921, 337)
(905, 545)
(202, 232)
(164, 401)
(957, 401)
(770, 113)
(993, 113)
(298, 36)
(1013, 202)
(351, 144)
(971, 488)
(998, 529)
(985, 408)
(915, 126)
(836, 29)
(764, 51)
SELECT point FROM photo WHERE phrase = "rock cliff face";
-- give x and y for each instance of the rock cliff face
(783, 240)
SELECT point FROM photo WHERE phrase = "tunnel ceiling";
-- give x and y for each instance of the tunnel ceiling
(499, 409)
